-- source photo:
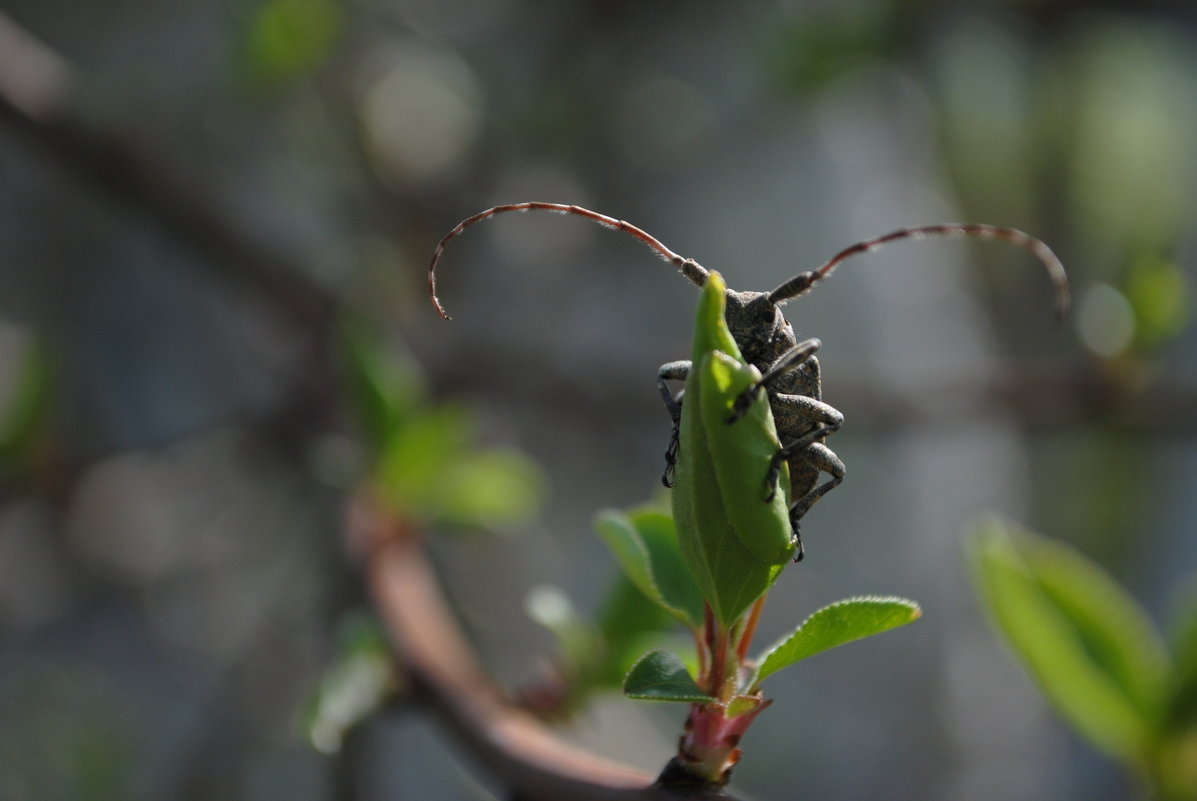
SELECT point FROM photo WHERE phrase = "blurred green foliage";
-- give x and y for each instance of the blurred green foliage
(644, 542)
(1160, 295)
(26, 409)
(1072, 120)
(423, 457)
(594, 655)
(1095, 654)
(75, 745)
(361, 679)
(809, 50)
(290, 37)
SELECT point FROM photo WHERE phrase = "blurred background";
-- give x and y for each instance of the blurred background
(194, 196)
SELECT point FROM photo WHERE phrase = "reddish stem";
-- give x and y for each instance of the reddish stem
(754, 617)
(718, 665)
(705, 676)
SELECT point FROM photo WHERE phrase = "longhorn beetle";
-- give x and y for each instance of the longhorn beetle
(789, 369)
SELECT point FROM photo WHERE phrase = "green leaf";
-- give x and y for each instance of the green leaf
(384, 384)
(628, 615)
(1115, 631)
(415, 455)
(489, 488)
(1182, 706)
(1161, 296)
(25, 403)
(744, 704)
(592, 659)
(549, 606)
(358, 682)
(841, 622)
(662, 676)
(428, 469)
(629, 623)
(289, 37)
(1088, 645)
(425, 462)
(742, 453)
(645, 544)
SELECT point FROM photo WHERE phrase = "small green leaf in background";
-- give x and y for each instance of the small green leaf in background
(490, 488)
(1160, 295)
(1092, 650)
(595, 657)
(550, 607)
(662, 676)
(629, 623)
(25, 401)
(424, 460)
(385, 384)
(839, 623)
(415, 456)
(291, 37)
(25, 388)
(430, 470)
(645, 544)
(1176, 765)
(357, 684)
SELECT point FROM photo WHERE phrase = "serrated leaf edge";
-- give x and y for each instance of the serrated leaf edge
(886, 599)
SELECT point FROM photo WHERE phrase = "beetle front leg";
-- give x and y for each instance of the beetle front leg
(788, 362)
(673, 371)
(797, 454)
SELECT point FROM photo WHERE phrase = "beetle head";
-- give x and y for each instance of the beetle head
(757, 325)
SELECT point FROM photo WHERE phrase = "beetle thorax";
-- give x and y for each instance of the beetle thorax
(758, 327)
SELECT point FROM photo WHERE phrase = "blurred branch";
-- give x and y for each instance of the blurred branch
(38, 103)
(1133, 401)
(526, 756)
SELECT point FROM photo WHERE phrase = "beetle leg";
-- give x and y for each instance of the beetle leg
(673, 371)
(789, 361)
(798, 451)
(793, 413)
(810, 456)
(807, 455)
(797, 412)
(824, 459)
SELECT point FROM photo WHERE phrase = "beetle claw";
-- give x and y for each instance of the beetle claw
(799, 551)
(671, 457)
(772, 476)
(744, 402)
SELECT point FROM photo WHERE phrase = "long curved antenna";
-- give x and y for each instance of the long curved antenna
(689, 268)
(802, 282)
